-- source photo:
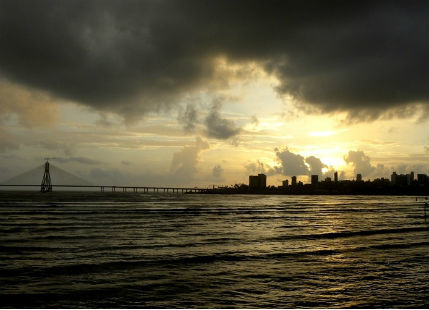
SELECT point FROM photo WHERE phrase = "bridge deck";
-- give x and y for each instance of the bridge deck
(113, 188)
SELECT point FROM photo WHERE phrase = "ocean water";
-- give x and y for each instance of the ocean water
(140, 250)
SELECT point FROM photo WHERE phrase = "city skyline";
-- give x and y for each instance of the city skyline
(116, 94)
(394, 179)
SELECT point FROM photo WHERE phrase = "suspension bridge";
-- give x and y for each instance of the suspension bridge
(70, 181)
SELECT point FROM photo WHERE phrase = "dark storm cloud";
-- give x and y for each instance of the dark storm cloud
(132, 57)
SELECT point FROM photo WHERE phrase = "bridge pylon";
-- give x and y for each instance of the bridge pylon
(46, 185)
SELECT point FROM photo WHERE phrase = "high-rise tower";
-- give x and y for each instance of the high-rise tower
(46, 185)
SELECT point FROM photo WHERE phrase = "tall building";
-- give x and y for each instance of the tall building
(393, 178)
(294, 181)
(253, 181)
(262, 180)
(314, 179)
(359, 177)
(422, 179)
(258, 181)
(412, 176)
(336, 176)
(285, 183)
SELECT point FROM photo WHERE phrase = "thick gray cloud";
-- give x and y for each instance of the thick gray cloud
(316, 165)
(215, 126)
(290, 163)
(132, 57)
(218, 127)
(362, 164)
(295, 164)
(257, 167)
(189, 117)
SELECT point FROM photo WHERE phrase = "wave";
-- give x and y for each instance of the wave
(111, 266)
(346, 234)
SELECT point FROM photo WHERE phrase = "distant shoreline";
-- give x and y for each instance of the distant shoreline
(307, 194)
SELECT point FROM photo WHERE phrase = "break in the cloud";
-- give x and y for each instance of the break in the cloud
(132, 57)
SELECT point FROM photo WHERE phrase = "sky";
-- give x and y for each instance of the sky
(202, 93)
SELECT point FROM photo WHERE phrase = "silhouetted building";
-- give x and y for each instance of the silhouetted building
(403, 185)
(258, 181)
(422, 179)
(262, 180)
(412, 176)
(393, 178)
(285, 183)
(253, 181)
(402, 179)
(314, 179)
(336, 176)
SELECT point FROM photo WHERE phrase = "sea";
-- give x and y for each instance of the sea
(150, 250)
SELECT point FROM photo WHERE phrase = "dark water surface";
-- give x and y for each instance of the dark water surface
(140, 250)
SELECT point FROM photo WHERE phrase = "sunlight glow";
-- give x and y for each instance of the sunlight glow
(335, 162)
(326, 133)
(322, 133)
